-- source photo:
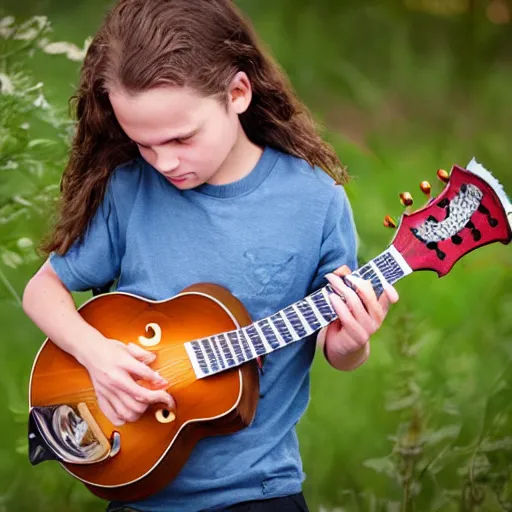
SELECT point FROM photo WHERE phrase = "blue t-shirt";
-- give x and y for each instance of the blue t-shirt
(269, 238)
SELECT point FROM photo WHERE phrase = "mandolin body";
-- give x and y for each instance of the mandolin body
(151, 452)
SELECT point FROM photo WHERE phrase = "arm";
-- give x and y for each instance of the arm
(51, 307)
(345, 342)
(112, 365)
(344, 362)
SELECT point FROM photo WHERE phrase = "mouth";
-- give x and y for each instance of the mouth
(177, 179)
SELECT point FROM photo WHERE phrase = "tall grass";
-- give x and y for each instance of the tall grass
(425, 424)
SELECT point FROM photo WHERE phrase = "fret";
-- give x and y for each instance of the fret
(245, 344)
(255, 340)
(380, 279)
(214, 341)
(217, 352)
(323, 304)
(199, 362)
(284, 328)
(228, 356)
(291, 324)
(317, 315)
(278, 334)
(291, 315)
(386, 267)
(214, 365)
(375, 280)
(266, 344)
(389, 267)
(235, 343)
(302, 319)
(308, 313)
(268, 333)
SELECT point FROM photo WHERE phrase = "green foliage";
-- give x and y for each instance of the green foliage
(30, 164)
(426, 424)
(34, 140)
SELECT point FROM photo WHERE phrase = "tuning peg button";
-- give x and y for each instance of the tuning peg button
(389, 222)
(426, 188)
(443, 175)
(406, 199)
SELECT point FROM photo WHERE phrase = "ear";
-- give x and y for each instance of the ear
(240, 93)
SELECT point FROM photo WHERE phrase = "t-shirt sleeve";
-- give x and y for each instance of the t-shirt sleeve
(339, 242)
(95, 261)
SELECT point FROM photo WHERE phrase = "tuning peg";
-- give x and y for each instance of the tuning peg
(426, 188)
(406, 199)
(443, 175)
(389, 222)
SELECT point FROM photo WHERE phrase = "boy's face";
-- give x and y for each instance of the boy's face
(184, 136)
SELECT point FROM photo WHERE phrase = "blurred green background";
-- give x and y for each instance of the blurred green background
(402, 87)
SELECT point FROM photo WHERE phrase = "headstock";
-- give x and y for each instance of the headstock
(472, 211)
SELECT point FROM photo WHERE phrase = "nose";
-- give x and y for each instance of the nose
(166, 161)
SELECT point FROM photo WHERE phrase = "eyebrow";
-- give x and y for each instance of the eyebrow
(177, 137)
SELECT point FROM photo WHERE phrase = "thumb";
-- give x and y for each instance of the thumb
(140, 354)
(342, 271)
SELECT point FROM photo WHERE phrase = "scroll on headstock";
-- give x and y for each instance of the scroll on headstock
(472, 211)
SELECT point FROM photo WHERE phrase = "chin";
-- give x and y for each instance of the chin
(189, 184)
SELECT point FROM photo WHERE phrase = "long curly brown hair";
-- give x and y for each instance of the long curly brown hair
(201, 44)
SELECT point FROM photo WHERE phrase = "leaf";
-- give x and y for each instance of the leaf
(20, 412)
(449, 431)
(383, 465)
(11, 259)
(405, 402)
(477, 467)
(22, 446)
(25, 243)
(41, 142)
(498, 444)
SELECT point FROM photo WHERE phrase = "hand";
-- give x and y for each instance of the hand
(359, 316)
(112, 366)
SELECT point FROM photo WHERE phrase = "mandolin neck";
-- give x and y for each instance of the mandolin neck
(299, 320)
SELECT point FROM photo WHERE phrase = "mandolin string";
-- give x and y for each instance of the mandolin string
(176, 377)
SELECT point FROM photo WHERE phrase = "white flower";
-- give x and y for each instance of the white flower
(25, 243)
(6, 29)
(41, 102)
(27, 35)
(6, 86)
(31, 28)
(6, 21)
(10, 165)
(71, 50)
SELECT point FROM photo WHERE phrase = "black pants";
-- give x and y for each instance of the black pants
(293, 503)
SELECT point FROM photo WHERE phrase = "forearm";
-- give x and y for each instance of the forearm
(338, 359)
(50, 306)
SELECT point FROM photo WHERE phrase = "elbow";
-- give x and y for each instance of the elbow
(40, 284)
(28, 294)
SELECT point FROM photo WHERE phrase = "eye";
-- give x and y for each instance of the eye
(183, 140)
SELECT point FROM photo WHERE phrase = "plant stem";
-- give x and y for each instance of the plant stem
(11, 289)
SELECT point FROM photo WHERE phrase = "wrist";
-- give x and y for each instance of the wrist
(346, 361)
(83, 344)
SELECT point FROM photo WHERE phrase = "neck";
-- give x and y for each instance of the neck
(297, 321)
(241, 160)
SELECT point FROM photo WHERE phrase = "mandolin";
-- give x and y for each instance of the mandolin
(208, 349)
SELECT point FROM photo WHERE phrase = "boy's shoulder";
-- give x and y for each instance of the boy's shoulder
(313, 182)
(127, 174)
(125, 181)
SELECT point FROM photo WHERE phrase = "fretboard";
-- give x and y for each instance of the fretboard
(230, 349)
